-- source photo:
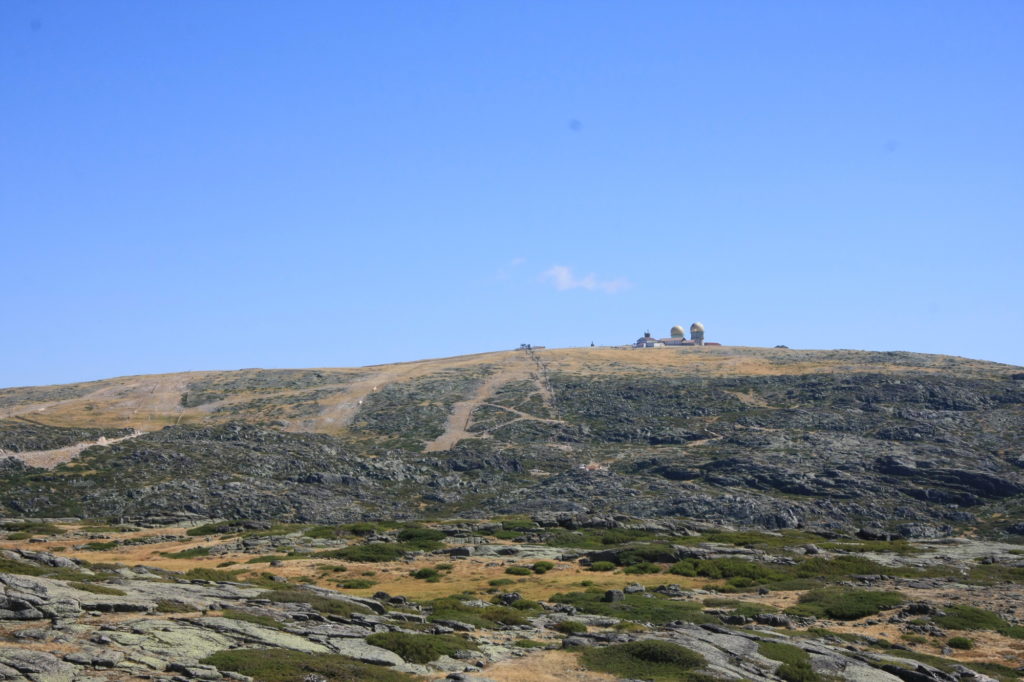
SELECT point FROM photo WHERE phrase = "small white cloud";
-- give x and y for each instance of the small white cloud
(505, 271)
(562, 278)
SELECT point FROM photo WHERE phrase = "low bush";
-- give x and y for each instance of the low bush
(357, 583)
(212, 529)
(601, 566)
(796, 663)
(649, 659)
(265, 621)
(427, 539)
(324, 532)
(961, 643)
(369, 552)
(322, 604)
(415, 648)
(499, 582)
(452, 608)
(33, 528)
(529, 644)
(570, 627)
(191, 553)
(843, 604)
(645, 567)
(647, 609)
(171, 606)
(526, 605)
(97, 589)
(100, 546)
(542, 566)
(429, 574)
(215, 575)
(963, 617)
(518, 570)
(285, 665)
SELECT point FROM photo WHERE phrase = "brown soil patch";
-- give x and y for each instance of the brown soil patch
(545, 666)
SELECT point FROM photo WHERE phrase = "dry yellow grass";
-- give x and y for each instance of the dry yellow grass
(150, 402)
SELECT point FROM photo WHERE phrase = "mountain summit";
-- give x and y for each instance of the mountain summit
(881, 442)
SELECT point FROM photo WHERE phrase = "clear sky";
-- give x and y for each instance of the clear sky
(226, 184)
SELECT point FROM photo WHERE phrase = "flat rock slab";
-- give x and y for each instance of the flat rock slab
(251, 633)
(361, 651)
(37, 666)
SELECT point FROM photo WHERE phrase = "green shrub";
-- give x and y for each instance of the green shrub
(519, 524)
(453, 608)
(285, 665)
(421, 538)
(656, 610)
(960, 643)
(191, 553)
(542, 566)
(322, 604)
(972, 618)
(649, 659)
(526, 605)
(97, 589)
(19, 535)
(266, 621)
(357, 583)
(362, 528)
(370, 552)
(420, 648)
(796, 663)
(644, 567)
(324, 532)
(33, 528)
(212, 529)
(444, 567)
(170, 606)
(570, 627)
(101, 546)
(213, 575)
(499, 582)
(426, 574)
(529, 644)
(518, 570)
(843, 604)
(601, 566)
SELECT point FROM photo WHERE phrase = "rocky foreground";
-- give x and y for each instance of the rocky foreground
(489, 600)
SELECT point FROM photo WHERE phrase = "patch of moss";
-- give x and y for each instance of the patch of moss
(96, 588)
(266, 621)
(649, 659)
(319, 603)
(844, 604)
(654, 610)
(284, 665)
(416, 648)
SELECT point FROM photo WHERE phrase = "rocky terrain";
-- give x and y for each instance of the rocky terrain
(555, 597)
(898, 443)
(578, 514)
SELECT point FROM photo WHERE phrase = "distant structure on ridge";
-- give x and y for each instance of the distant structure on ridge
(676, 337)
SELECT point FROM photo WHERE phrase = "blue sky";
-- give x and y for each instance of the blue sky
(215, 185)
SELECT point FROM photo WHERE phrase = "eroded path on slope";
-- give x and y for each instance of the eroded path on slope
(47, 459)
(520, 367)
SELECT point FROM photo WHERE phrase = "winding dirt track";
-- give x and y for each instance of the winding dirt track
(520, 367)
(47, 459)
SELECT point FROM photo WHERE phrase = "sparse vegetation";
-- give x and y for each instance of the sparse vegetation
(649, 659)
(284, 665)
(416, 648)
(844, 604)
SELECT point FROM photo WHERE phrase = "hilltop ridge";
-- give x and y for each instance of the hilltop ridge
(777, 438)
